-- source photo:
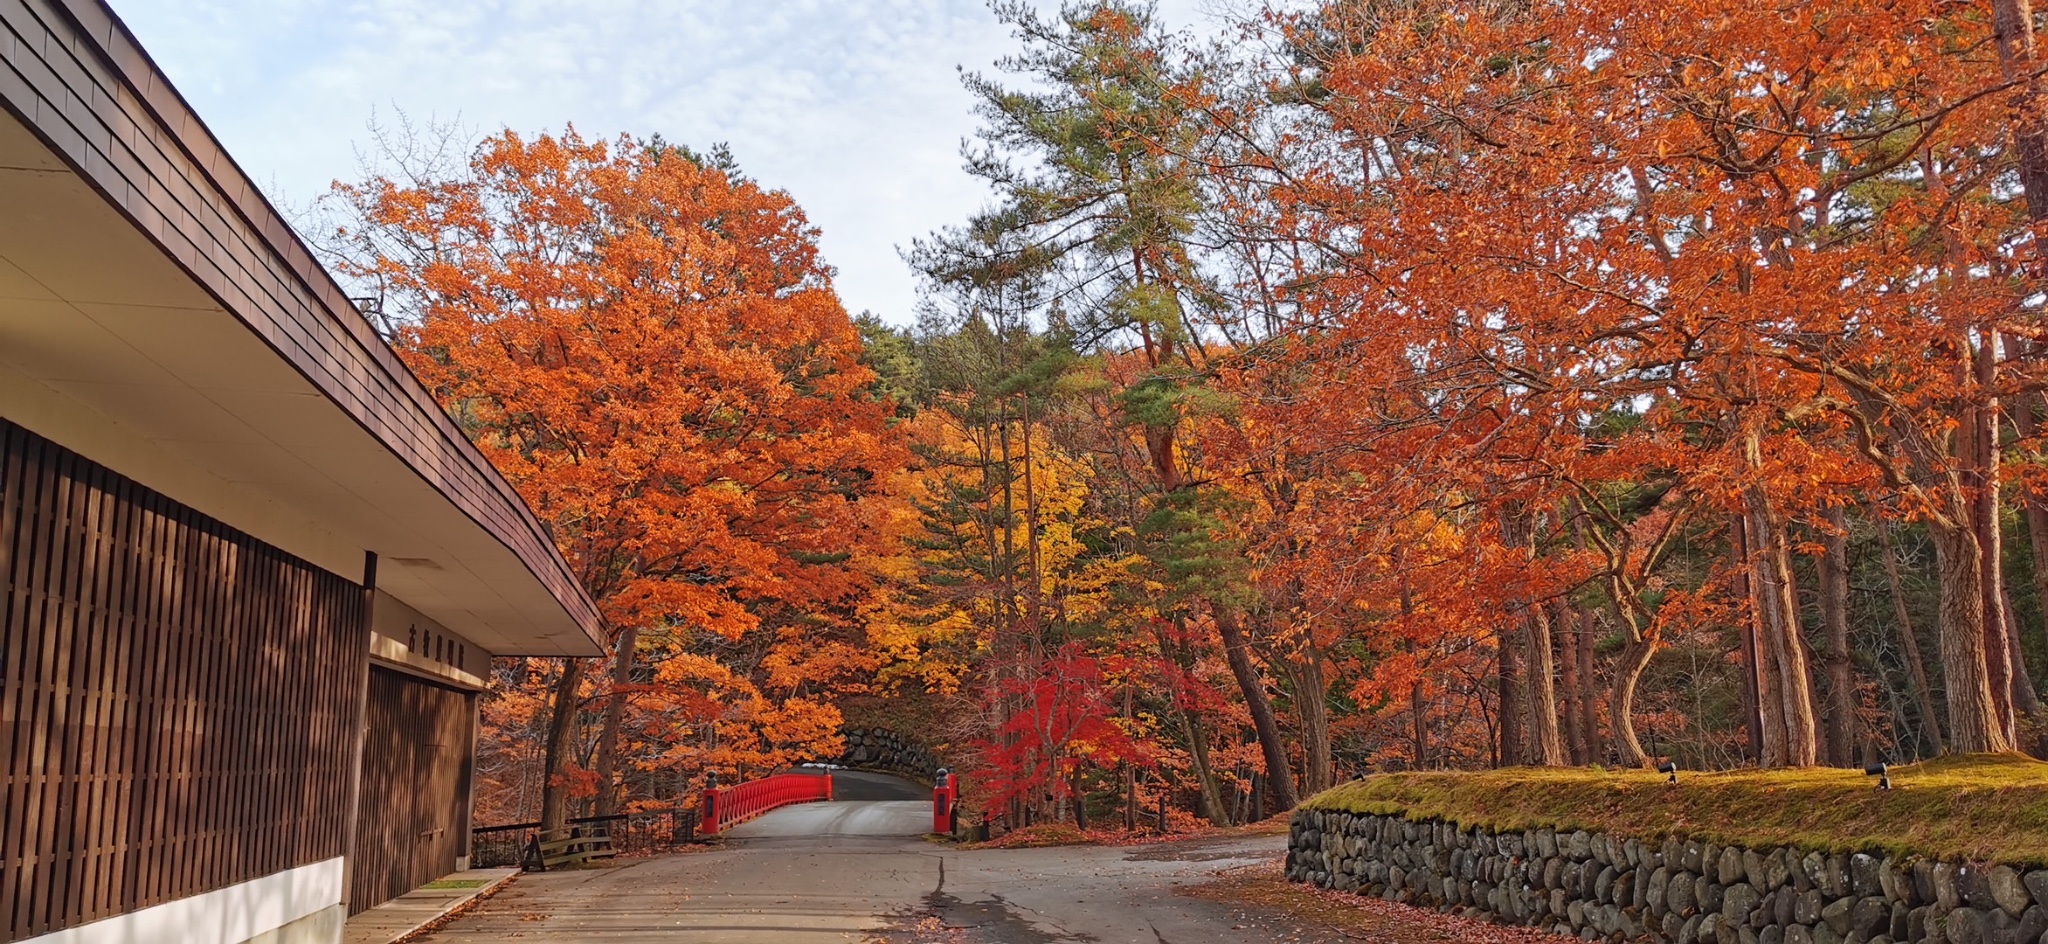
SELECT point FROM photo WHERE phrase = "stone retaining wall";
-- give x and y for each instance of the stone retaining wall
(885, 750)
(1594, 887)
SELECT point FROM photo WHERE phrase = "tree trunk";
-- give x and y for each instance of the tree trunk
(1237, 650)
(1588, 636)
(1573, 684)
(1973, 722)
(1546, 747)
(1312, 688)
(1589, 687)
(1770, 701)
(1419, 724)
(1916, 666)
(1834, 609)
(554, 796)
(1981, 474)
(1129, 775)
(1628, 672)
(1785, 655)
(610, 792)
(1205, 775)
(1211, 795)
(1510, 751)
(2024, 699)
(1415, 705)
(2030, 736)
(1764, 740)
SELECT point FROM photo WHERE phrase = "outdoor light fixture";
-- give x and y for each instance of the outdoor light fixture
(1884, 779)
(1669, 767)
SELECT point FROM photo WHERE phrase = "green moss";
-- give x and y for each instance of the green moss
(449, 884)
(1983, 807)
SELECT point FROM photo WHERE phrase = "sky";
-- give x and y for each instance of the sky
(853, 106)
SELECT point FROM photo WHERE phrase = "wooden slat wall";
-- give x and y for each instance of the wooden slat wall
(418, 756)
(177, 699)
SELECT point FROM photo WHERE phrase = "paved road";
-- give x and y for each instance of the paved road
(830, 872)
(843, 818)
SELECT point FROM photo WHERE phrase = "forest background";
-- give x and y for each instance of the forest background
(1386, 384)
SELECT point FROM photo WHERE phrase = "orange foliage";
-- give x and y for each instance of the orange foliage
(647, 345)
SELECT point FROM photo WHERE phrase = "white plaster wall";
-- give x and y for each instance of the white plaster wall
(230, 915)
(393, 621)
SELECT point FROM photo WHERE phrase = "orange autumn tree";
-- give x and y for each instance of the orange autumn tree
(648, 346)
(1773, 240)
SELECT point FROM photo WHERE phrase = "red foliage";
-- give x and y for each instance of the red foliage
(1062, 715)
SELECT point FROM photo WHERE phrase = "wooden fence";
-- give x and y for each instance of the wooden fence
(504, 845)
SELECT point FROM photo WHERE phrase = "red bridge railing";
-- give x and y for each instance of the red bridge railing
(731, 806)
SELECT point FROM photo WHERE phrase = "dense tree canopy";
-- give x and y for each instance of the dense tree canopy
(1396, 383)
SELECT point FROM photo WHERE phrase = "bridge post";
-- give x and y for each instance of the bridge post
(710, 826)
(942, 802)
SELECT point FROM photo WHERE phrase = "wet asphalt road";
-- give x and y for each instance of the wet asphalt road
(860, 870)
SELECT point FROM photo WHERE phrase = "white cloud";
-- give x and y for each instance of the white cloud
(853, 106)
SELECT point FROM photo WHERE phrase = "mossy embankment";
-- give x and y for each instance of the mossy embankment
(1984, 807)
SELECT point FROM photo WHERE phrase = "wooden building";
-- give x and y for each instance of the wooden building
(250, 574)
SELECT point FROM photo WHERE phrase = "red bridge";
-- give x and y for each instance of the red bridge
(731, 806)
(863, 804)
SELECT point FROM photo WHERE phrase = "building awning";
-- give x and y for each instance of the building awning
(157, 315)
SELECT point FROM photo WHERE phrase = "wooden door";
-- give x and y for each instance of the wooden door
(417, 761)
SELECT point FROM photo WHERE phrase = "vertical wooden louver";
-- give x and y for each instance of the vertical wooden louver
(177, 699)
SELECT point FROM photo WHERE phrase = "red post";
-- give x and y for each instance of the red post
(942, 804)
(710, 825)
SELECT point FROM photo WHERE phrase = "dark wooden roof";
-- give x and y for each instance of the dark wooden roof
(71, 71)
